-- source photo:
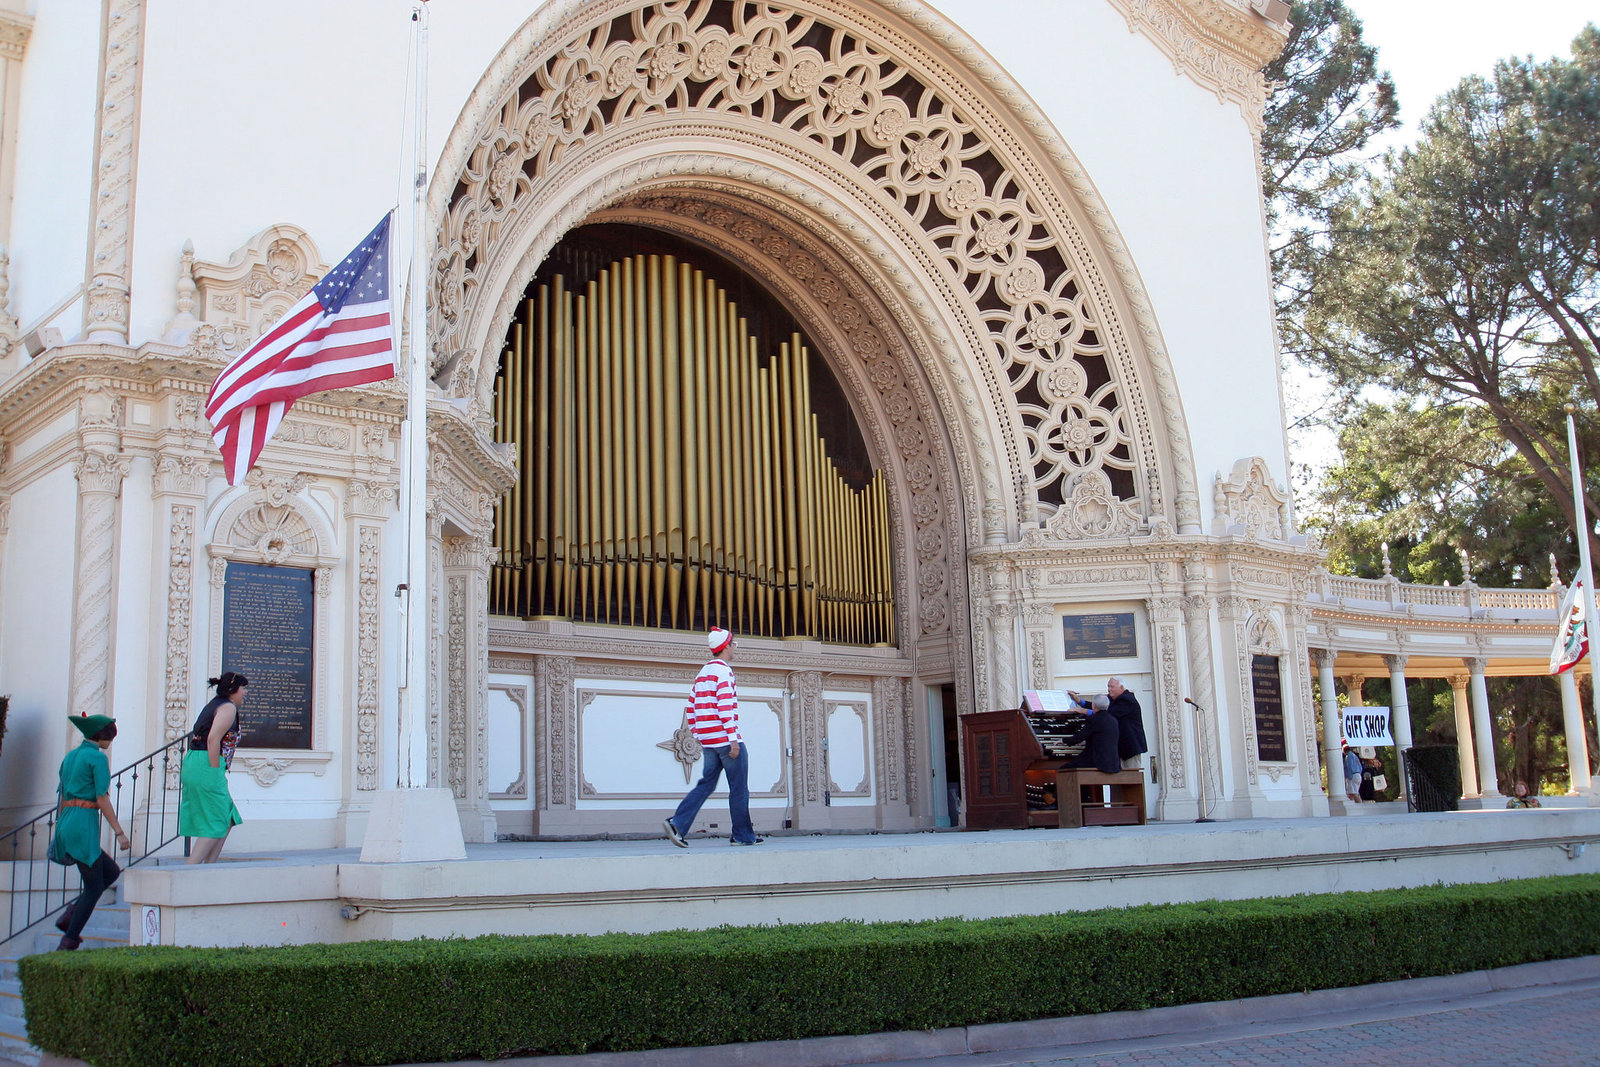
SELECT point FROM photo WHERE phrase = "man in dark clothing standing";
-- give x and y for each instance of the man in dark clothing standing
(1130, 719)
(1099, 737)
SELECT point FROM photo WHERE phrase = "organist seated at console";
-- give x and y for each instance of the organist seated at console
(1099, 736)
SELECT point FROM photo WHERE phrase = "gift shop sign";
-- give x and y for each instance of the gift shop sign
(1367, 726)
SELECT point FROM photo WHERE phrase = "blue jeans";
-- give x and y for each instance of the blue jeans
(717, 761)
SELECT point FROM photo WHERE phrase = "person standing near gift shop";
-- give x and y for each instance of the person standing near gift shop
(207, 812)
(713, 715)
(86, 796)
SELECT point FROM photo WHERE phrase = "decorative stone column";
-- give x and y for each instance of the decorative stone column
(180, 483)
(808, 732)
(1488, 781)
(368, 505)
(1352, 689)
(1177, 785)
(1469, 767)
(1037, 622)
(1332, 727)
(100, 468)
(1577, 740)
(1197, 605)
(464, 724)
(1399, 716)
(105, 315)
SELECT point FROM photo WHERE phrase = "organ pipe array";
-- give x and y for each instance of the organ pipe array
(670, 476)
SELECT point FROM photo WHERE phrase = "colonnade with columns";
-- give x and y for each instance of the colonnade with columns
(1475, 740)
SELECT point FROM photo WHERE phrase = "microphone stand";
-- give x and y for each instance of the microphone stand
(1200, 759)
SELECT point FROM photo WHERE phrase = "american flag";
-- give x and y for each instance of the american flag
(337, 336)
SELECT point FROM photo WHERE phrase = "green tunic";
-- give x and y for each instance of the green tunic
(85, 775)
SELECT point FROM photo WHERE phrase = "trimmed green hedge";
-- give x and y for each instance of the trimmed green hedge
(414, 1001)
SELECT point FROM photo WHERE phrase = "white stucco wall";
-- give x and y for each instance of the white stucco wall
(314, 140)
(36, 575)
(1177, 170)
(55, 151)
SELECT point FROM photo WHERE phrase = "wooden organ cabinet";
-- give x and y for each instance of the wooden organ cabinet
(1007, 756)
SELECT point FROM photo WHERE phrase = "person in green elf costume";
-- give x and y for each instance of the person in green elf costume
(85, 796)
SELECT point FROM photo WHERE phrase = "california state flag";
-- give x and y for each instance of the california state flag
(1572, 635)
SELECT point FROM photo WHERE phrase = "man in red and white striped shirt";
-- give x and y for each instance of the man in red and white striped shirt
(713, 715)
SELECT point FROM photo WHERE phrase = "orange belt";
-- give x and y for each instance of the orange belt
(74, 802)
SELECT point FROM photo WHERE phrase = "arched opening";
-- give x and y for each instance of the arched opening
(686, 458)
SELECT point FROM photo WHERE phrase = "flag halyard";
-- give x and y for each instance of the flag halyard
(339, 335)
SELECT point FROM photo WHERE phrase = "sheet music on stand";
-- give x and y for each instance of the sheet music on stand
(1053, 715)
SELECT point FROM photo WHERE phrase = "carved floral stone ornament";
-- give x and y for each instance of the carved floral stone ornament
(1249, 502)
(684, 748)
(850, 92)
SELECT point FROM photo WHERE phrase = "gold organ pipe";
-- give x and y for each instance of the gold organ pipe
(692, 386)
(590, 468)
(671, 467)
(720, 402)
(541, 523)
(606, 447)
(760, 497)
(745, 455)
(703, 458)
(638, 439)
(658, 443)
(809, 472)
(794, 493)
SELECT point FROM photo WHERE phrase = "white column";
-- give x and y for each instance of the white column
(1352, 688)
(1488, 783)
(1469, 767)
(1399, 717)
(1332, 728)
(1577, 744)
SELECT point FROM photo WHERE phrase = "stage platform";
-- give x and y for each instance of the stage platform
(586, 887)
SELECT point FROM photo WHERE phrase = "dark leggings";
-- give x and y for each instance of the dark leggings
(96, 880)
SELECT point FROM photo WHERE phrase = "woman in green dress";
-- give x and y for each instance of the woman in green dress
(85, 796)
(207, 812)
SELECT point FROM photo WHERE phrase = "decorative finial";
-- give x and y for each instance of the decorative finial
(184, 322)
(1466, 567)
(1555, 572)
(1388, 571)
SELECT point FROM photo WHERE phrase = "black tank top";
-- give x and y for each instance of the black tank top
(202, 726)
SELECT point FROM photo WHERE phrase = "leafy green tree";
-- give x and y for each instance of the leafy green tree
(1329, 103)
(1467, 275)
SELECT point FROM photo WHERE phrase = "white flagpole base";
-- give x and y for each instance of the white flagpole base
(413, 826)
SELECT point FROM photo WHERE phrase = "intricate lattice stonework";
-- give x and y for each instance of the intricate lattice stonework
(861, 102)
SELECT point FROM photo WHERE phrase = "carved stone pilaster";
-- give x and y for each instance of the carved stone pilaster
(180, 625)
(560, 717)
(369, 637)
(455, 632)
(808, 730)
(100, 476)
(116, 149)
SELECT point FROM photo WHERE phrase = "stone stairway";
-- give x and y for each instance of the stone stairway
(108, 928)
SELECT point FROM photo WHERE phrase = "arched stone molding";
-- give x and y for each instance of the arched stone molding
(1015, 277)
(271, 520)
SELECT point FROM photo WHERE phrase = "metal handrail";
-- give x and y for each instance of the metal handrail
(40, 889)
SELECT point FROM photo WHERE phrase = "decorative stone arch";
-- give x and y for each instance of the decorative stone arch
(935, 183)
(271, 521)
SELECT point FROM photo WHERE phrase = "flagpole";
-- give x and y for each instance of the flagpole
(1577, 744)
(412, 759)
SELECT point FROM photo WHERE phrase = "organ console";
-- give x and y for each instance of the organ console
(1011, 759)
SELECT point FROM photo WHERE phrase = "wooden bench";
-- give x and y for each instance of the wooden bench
(1127, 798)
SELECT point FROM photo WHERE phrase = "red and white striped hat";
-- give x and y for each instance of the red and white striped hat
(718, 639)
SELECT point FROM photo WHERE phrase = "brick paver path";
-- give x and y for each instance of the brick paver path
(1552, 1025)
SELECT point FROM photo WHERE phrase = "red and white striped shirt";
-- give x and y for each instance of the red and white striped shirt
(713, 708)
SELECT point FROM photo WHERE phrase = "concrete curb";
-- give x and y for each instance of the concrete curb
(1068, 1031)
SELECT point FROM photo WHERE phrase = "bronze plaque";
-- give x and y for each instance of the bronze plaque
(1267, 687)
(268, 628)
(1107, 636)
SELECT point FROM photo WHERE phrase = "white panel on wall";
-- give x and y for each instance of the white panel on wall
(849, 748)
(508, 740)
(627, 742)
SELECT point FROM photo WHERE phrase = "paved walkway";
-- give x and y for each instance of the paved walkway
(1536, 1013)
(1555, 1025)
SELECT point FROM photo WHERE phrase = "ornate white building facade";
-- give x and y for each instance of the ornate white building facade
(1026, 239)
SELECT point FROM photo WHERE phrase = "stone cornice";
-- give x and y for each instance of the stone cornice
(15, 30)
(1219, 44)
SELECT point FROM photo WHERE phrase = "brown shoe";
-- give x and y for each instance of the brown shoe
(65, 920)
(68, 943)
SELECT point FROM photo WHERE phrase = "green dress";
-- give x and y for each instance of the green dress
(85, 775)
